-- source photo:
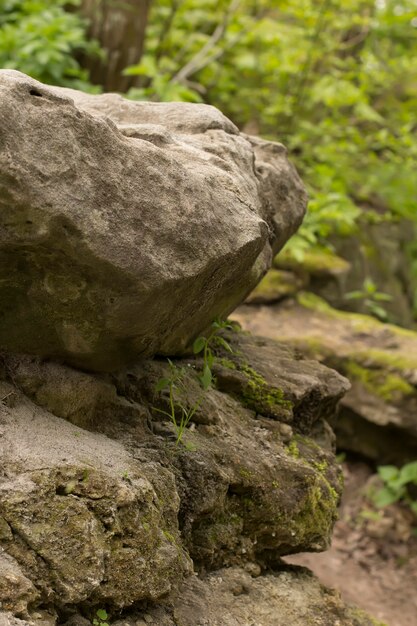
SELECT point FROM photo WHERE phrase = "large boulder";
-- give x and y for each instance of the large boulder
(127, 227)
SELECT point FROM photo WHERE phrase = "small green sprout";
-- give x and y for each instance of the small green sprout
(101, 618)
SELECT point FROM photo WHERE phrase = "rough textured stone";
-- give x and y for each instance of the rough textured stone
(8, 619)
(16, 590)
(127, 227)
(86, 522)
(83, 399)
(240, 597)
(109, 517)
(378, 416)
(234, 597)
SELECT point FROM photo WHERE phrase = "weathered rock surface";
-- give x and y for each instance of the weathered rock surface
(239, 597)
(79, 518)
(378, 416)
(112, 517)
(127, 227)
(234, 597)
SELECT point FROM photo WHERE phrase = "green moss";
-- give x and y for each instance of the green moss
(248, 504)
(357, 321)
(321, 466)
(168, 536)
(384, 358)
(245, 472)
(316, 261)
(364, 618)
(318, 511)
(227, 363)
(293, 449)
(387, 386)
(275, 285)
(260, 397)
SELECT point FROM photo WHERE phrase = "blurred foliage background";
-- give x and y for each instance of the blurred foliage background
(336, 81)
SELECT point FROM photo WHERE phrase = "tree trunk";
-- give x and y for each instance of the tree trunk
(119, 26)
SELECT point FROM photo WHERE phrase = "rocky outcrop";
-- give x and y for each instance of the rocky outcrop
(378, 415)
(129, 486)
(104, 508)
(127, 227)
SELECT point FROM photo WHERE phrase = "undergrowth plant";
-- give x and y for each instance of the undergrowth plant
(207, 345)
(42, 38)
(371, 298)
(398, 485)
(101, 618)
(179, 413)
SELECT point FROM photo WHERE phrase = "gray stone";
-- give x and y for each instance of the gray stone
(87, 522)
(16, 590)
(127, 227)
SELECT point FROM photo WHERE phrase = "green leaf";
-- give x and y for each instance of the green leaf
(199, 345)
(162, 383)
(388, 472)
(206, 378)
(385, 496)
(354, 295)
(376, 310)
(385, 297)
(369, 286)
(224, 343)
(408, 473)
(210, 359)
(102, 614)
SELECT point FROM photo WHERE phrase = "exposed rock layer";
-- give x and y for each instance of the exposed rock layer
(378, 415)
(112, 517)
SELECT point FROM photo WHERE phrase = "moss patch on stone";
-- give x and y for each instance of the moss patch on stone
(386, 385)
(292, 449)
(358, 322)
(391, 360)
(235, 376)
(261, 397)
(276, 285)
(317, 261)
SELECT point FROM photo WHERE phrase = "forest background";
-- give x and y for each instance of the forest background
(334, 80)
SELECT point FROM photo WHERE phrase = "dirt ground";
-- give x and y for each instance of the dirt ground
(373, 557)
